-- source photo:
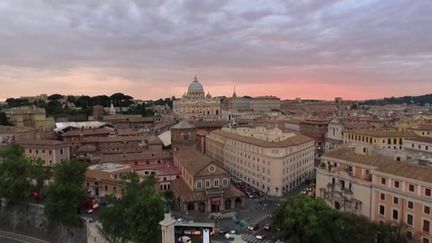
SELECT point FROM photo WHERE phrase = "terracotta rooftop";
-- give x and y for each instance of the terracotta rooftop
(383, 164)
(183, 125)
(87, 132)
(135, 157)
(42, 142)
(421, 139)
(383, 133)
(291, 141)
(113, 139)
(192, 160)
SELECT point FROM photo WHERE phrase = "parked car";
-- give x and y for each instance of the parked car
(267, 226)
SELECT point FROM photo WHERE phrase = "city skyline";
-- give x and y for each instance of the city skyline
(356, 50)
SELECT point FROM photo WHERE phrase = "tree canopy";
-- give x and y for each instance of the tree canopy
(303, 219)
(14, 175)
(137, 214)
(66, 193)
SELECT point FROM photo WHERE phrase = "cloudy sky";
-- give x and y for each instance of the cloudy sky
(153, 48)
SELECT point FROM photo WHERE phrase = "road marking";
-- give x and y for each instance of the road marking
(20, 237)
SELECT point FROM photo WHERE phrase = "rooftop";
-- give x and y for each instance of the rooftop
(192, 160)
(183, 125)
(383, 164)
(109, 167)
(383, 133)
(295, 140)
(42, 142)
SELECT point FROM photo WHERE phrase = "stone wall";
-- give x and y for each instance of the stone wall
(30, 220)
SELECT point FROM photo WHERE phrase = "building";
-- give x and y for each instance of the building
(52, 152)
(336, 129)
(29, 116)
(419, 148)
(195, 105)
(164, 173)
(378, 187)
(316, 129)
(266, 159)
(204, 186)
(11, 134)
(265, 104)
(136, 122)
(106, 179)
(183, 133)
(392, 140)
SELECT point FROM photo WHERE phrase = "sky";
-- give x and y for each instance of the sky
(153, 48)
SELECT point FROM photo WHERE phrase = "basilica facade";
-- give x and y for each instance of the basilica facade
(195, 105)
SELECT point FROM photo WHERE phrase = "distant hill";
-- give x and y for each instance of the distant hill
(418, 100)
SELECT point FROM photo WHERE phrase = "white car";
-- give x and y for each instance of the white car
(259, 237)
(184, 239)
(229, 236)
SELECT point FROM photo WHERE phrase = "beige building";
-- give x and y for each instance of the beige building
(52, 152)
(29, 116)
(106, 179)
(265, 104)
(267, 159)
(195, 105)
(378, 187)
(12, 134)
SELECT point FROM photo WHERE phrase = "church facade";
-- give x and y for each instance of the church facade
(196, 106)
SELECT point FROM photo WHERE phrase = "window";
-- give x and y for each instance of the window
(207, 184)
(396, 184)
(216, 183)
(395, 215)
(382, 196)
(426, 210)
(383, 181)
(409, 235)
(61, 151)
(425, 240)
(198, 184)
(411, 188)
(225, 182)
(410, 205)
(382, 209)
(428, 192)
(410, 220)
(426, 225)
(396, 200)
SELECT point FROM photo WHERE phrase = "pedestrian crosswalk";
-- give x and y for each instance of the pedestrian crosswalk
(251, 238)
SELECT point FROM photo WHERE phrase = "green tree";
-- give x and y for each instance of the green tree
(66, 193)
(14, 182)
(38, 174)
(4, 121)
(137, 214)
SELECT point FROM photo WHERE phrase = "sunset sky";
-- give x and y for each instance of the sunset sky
(153, 48)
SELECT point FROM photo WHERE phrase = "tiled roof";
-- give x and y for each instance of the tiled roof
(132, 157)
(183, 125)
(180, 187)
(421, 139)
(192, 160)
(42, 142)
(291, 141)
(87, 132)
(383, 133)
(383, 164)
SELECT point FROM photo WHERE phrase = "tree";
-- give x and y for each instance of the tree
(303, 219)
(38, 174)
(14, 182)
(55, 97)
(66, 193)
(137, 214)
(4, 121)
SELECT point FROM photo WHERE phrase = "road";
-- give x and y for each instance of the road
(9, 237)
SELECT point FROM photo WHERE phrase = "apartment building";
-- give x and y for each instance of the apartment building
(378, 187)
(316, 129)
(52, 152)
(265, 104)
(379, 138)
(267, 159)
